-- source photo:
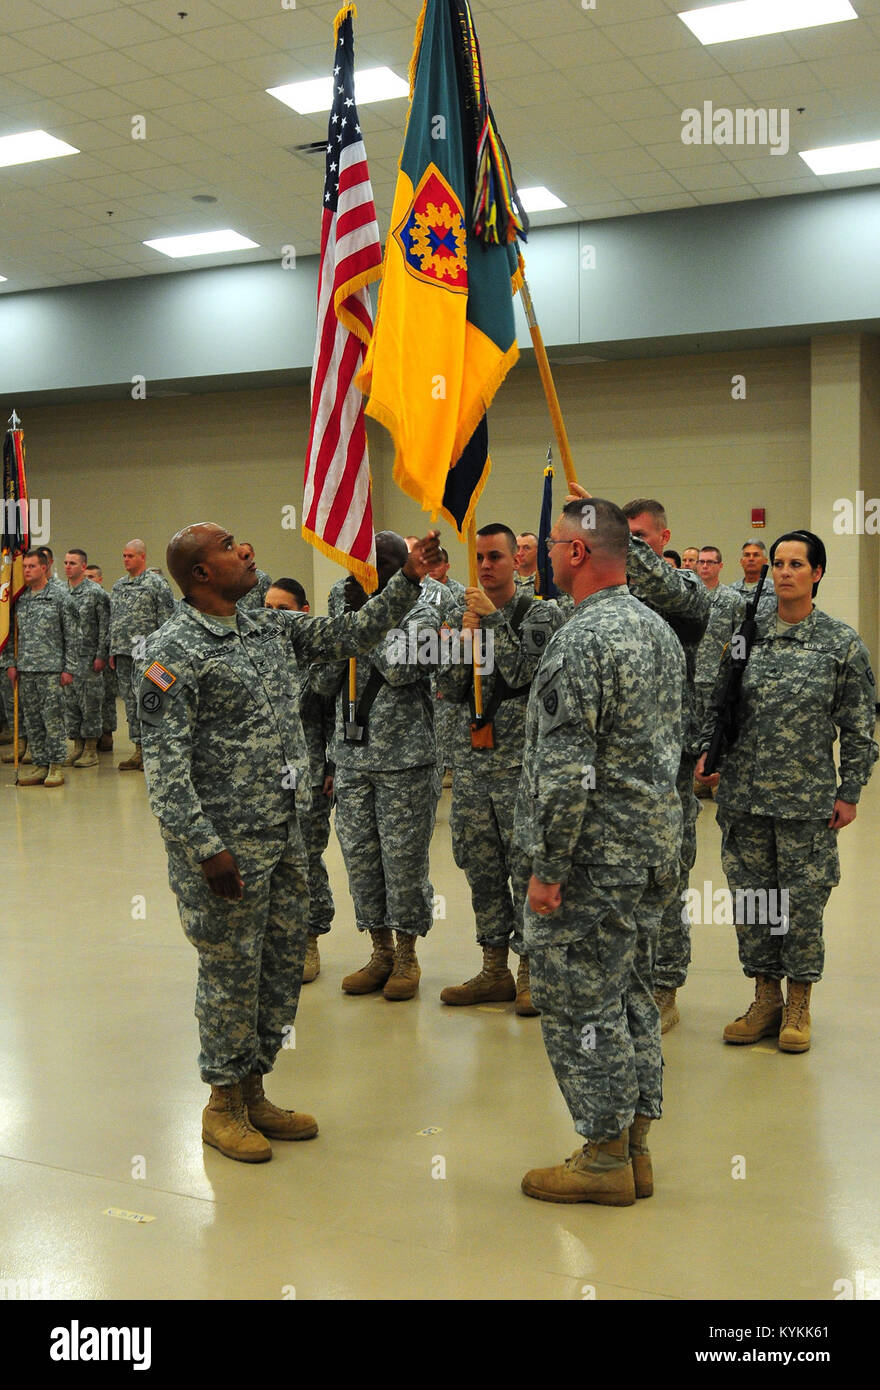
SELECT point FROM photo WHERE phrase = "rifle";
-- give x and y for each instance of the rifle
(726, 727)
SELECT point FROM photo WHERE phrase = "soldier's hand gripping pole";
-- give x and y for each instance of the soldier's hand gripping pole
(726, 727)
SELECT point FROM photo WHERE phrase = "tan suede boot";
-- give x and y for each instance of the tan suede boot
(764, 1014)
(225, 1126)
(55, 777)
(493, 985)
(78, 746)
(373, 975)
(10, 756)
(34, 778)
(312, 962)
(669, 1015)
(89, 756)
(794, 1035)
(406, 972)
(135, 763)
(599, 1172)
(640, 1155)
(524, 1006)
(271, 1121)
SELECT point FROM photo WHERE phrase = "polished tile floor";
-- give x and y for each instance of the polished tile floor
(764, 1163)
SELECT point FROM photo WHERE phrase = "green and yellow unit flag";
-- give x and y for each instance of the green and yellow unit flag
(15, 537)
(444, 338)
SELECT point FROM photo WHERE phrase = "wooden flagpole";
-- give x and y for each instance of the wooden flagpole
(547, 383)
(474, 582)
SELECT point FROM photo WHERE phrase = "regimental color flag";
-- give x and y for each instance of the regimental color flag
(337, 501)
(445, 337)
(544, 585)
(15, 537)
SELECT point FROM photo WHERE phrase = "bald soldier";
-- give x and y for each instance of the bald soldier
(227, 768)
(139, 604)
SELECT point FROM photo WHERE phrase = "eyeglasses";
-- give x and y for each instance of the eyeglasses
(550, 542)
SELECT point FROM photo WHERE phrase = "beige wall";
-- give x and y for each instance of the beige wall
(666, 427)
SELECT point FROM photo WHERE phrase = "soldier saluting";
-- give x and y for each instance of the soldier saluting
(224, 756)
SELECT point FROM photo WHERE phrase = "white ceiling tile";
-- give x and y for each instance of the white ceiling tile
(607, 78)
(830, 40)
(169, 55)
(613, 163)
(658, 130)
(810, 184)
(597, 212)
(757, 165)
(651, 36)
(683, 65)
(557, 17)
(514, 60)
(744, 55)
(677, 155)
(229, 42)
(75, 9)
(24, 14)
(646, 185)
(112, 70)
(542, 87)
(702, 176)
(634, 106)
(122, 27)
(39, 113)
(214, 80)
(198, 16)
(171, 176)
(152, 94)
(17, 57)
(293, 29)
(98, 104)
(666, 204)
(780, 86)
(180, 149)
(53, 80)
(721, 91)
(851, 70)
(584, 139)
(62, 42)
(584, 48)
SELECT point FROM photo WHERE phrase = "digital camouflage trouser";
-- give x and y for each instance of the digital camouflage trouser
(251, 952)
(481, 821)
(796, 856)
(41, 701)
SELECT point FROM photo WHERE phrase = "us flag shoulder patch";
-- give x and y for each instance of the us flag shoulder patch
(160, 676)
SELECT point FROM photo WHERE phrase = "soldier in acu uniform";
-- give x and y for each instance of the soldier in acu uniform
(85, 697)
(226, 760)
(781, 801)
(600, 819)
(48, 656)
(139, 603)
(515, 630)
(317, 713)
(108, 704)
(387, 785)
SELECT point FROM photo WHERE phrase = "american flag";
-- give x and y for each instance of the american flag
(337, 504)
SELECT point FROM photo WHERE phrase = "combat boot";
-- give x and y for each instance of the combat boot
(10, 756)
(312, 962)
(524, 1006)
(640, 1155)
(669, 1015)
(377, 969)
(225, 1126)
(105, 742)
(35, 778)
(78, 746)
(89, 756)
(406, 971)
(599, 1172)
(55, 777)
(764, 1014)
(269, 1119)
(135, 763)
(794, 1035)
(493, 985)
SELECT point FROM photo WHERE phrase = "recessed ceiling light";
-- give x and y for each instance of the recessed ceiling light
(370, 84)
(843, 159)
(748, 19)
(201, 243)
(539, 199)
(30, 146)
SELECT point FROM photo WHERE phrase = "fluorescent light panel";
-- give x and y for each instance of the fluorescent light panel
(371, 84)
(201, 243)
(748, 19)
(539, 199)
(30, 146)
(2, 279)
(843, 159)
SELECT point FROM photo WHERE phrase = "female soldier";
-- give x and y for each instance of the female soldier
(780, 804)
